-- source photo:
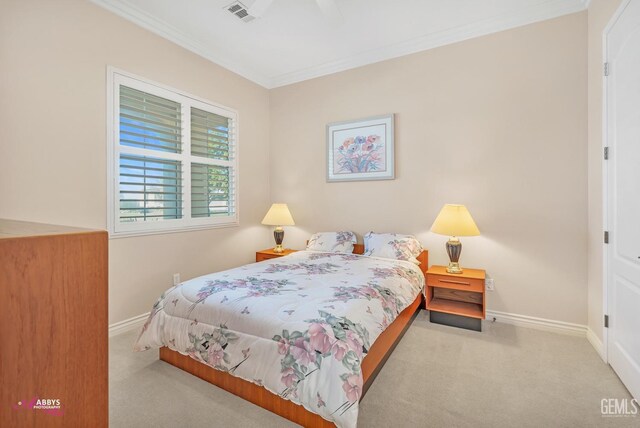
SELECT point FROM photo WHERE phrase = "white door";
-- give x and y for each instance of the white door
(623, 181)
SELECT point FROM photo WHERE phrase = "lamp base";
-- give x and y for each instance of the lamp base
(278, 234)
(454, 248)
(454, 268)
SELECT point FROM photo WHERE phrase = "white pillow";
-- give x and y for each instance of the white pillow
(334, 242)
(392, 246)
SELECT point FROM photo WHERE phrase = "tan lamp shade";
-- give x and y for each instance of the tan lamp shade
(455, 220)
(278, 215)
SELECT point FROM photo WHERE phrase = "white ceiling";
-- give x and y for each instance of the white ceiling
(294, 41)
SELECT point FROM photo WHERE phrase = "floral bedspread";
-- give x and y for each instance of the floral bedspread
(298, 325)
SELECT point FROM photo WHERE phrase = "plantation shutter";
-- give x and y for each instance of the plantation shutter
(172, 159)
(212, 185)
(210, 135)
(150, 187)
(149, 122)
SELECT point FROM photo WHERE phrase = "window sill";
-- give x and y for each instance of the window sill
(183, 229)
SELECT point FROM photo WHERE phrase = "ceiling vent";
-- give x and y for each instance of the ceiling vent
(240, 11)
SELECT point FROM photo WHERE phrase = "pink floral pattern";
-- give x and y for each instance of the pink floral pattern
(318, 256)
(339, 242)
(256, 287)
(412, 277)
(327, 337)
(304, 268)
(210, 348)
(392, 246)
(352, 386)
(300, 325)
(360, 154)
(390, 303)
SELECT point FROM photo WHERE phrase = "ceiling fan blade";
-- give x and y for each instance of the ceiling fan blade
(259, 7)
(330, 9)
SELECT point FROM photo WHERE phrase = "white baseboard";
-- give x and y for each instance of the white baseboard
(127, 325)
(504, 317)
(538, 323)
(595, 341)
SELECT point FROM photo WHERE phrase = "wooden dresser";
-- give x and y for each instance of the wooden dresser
(53, 326)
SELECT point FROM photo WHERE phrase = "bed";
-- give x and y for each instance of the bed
(302, 336)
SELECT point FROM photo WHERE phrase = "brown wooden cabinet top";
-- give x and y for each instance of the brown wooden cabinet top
(270, 252)
(466, 272)
(17, 229)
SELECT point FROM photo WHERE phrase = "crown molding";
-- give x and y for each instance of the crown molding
(167, 31)
(547, 10)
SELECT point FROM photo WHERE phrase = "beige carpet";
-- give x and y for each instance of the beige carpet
(438, 376)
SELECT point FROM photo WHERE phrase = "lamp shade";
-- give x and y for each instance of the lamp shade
(455, 220)
(278, 215)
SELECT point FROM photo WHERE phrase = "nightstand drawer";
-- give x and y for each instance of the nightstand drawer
(467, 284)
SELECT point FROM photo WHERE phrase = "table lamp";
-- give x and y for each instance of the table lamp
(453, 221)
(278, 216)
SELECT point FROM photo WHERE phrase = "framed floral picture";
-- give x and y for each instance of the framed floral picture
(361, 150)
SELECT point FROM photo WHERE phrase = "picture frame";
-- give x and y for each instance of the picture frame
(361, 150)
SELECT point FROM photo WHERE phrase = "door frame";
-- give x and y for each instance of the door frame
(605, 179)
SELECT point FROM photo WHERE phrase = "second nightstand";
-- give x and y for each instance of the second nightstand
(270, 254)
(456, 299)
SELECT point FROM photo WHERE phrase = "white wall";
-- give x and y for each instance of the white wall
(53, 57)
(498, 123)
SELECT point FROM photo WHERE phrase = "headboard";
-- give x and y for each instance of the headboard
(423, 258)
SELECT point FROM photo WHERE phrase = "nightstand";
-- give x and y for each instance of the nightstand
(456, 299)
(270, 254)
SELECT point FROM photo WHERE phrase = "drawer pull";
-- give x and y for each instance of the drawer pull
(448, 281)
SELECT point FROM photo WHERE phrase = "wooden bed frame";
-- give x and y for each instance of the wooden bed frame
(371, 366)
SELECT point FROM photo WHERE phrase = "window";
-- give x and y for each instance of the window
(172, 159)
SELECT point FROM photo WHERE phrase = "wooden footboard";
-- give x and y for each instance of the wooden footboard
(245, 389)
(371, 365)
